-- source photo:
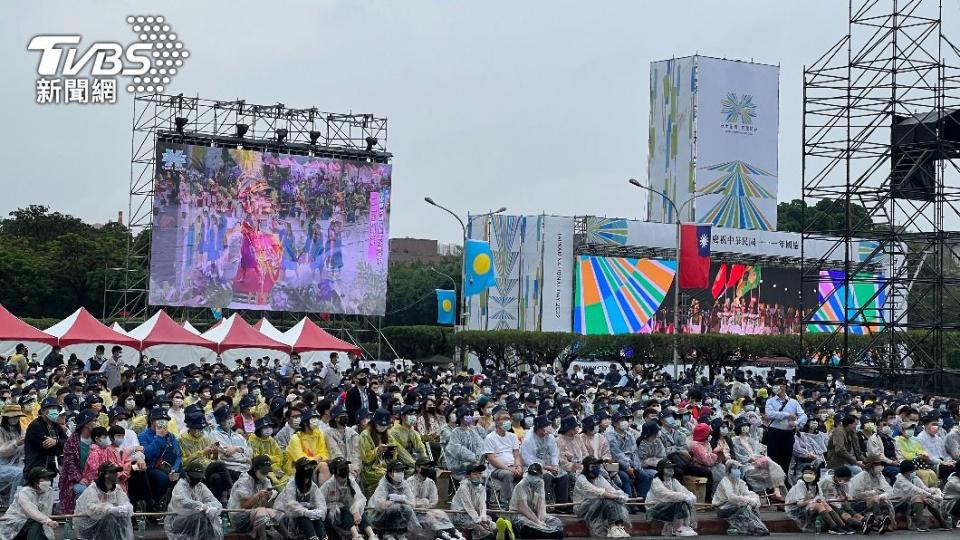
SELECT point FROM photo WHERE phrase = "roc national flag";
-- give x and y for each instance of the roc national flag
(694, 267)
(479, 271)
(749, 281)
(446, 302)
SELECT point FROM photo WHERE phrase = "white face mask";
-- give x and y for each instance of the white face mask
(267, 431)
(314, 423)
(123, 423)
(622, 425)
(397, 477)
(44, 485)
(411, 419)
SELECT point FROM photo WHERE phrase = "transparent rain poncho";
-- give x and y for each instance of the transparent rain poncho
(425, 496)
(596, 511)
(342, 496)
(469, 510)
(295, 504)
(27, 504)
(103, 514)
(391, 506)
(529, 496)
(189, 521)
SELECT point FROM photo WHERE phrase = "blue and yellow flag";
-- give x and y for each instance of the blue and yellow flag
(446, 304)
(217, 313)
(479, 272)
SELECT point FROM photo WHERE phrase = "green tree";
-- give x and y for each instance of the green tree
(827, 216)
(411, 299)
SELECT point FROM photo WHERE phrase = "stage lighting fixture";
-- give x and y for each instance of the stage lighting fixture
(180, 122)
(242, 130)
(371, 142)
(281, 134)
(314, 135)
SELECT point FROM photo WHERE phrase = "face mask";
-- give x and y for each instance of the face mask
(397, 477)
(724, 431)
(622, 425)
(506, 425)
(314, 423)
(468, 421)
(103, 442)
(776, 390)
(44, 485)
(744, 430)
(749, 408)
(668, 473)
(53, 415)
(117, 441)
(886, 430)
(161, 424)
(85, 440)
(27, 407)
(736, 474)
(411, 419)
(528, 422)
(295, 421)
(130, 404)
(267, 432)
(381, 429)
(476, 481)
(452, 418)
(809, 477)
(178, 402)
(671, 421)
(535, 481)
(594, 471)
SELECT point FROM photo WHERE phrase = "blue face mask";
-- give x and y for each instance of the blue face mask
(736, 474)
(476, 481)
(535, 482)
(595, 470)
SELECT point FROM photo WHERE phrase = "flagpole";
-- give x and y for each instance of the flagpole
(676, 294)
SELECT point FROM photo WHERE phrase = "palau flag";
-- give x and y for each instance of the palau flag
(479, 272)
(446, 302)
(217, 313)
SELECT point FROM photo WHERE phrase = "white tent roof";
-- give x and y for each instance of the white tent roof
(270, 330)
(190, 328)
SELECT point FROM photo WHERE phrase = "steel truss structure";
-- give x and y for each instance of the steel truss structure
(880, 134)
(192, 120)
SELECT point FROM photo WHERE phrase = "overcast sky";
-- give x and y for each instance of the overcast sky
(539, 106)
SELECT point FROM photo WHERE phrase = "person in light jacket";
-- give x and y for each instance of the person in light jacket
(598, 504)
(911, 495)
(668, 501)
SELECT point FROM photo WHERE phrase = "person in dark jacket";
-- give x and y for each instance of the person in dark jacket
(44, 439)
(359, 396)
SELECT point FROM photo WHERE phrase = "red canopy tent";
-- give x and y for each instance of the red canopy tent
(83, 328)
(236, 333)
(307, 336)
(162, 330)
(13, 329)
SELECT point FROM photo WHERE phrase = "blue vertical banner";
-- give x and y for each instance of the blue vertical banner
(446, 306)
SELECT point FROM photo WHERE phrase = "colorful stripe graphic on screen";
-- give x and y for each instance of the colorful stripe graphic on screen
(736, 208)
(866, 292)
(606, 231)
(618, 295)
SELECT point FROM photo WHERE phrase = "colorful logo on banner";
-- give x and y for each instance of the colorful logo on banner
(606, 231)
(737, 110)
(618, 295)
(148, 64)
(446, 301)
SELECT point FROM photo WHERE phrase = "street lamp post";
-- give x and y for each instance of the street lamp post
(676, 292)
(463, 255)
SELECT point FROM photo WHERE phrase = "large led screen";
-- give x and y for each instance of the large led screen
(246, 229)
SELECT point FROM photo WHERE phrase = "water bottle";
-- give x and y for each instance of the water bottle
(224, 523)
(141, 527)
(818, 524)
(67, 529)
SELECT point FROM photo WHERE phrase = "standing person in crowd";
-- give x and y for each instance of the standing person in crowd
(103, 510)
(110, 369)
(502, 449)
(668, 501)
(598, 504)
(785, 414)
(330, 373)
(361, 396)
(737, 504)
(529, 505)
(194, 510)
(469, 505)
(28, 515)
(345, 503)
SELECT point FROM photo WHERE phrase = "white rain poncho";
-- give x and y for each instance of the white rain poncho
(529, 496)
(469, 510)
(244, 488)
(341, 496)
(345, 444)
(189, 520)
(669, 501)
(11, 464)
(391, 506)
(738, 505)
(296, 504)
(100, 515)
(951, 493)
(595, 510)
(905, 489)
(801, 515)
(761, 472)
(28, 504)
(871, 493)
(425, 496)
(464, 448)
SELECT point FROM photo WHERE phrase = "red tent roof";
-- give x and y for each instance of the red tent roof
(162, 330)
(236, 333)
(307, 336)
(13, 329)
(82, 327)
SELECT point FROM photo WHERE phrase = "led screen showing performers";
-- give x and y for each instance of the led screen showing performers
(246, 229)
